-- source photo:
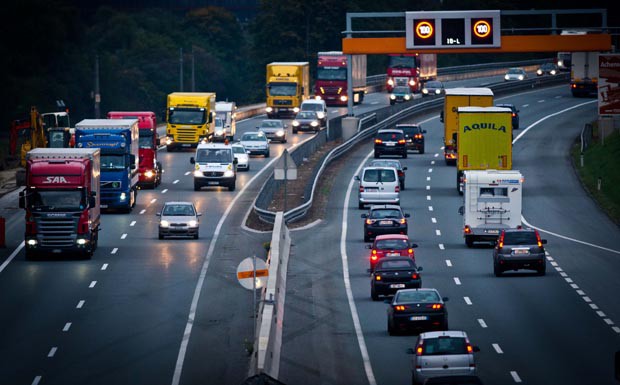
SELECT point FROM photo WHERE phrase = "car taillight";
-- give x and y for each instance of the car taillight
(397, 189)
(403, 221)
(401, 141)
(500, 241)
(410, 251)
(377, 278)
(467, 229)
(361, 188)
(400, 173)
(414, 276)
(400, 307)
(418, 136)
(378, 141)
(435, 306)
(418, 352)
(513, 114)
(538, 240)
(470, 349)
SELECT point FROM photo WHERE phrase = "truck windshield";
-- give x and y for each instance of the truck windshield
(56, 200)
(402, 62)
(146, 139)
(112, 162)
(181, 116)
(331, 73)
(288, 89)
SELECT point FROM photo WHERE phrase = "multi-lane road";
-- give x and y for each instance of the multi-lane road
(161, 312)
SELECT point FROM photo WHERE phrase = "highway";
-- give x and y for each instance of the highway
(171, 311)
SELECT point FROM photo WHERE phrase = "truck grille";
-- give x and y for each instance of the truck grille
(187, 135)
(213, 173)
(332, 90)
(282, 102)
(57, 232)
(401, 81)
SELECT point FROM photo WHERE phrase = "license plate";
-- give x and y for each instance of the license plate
(492, 231)
(103, 206)
(393, 254)
(186, 145)
(213, 183)
(390, 144)
(521, 251)
(397, 286)
(419, 318)
(385, 222)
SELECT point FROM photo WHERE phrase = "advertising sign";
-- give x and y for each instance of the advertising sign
(609, 84)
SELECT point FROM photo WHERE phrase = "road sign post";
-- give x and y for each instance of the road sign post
(285, 169)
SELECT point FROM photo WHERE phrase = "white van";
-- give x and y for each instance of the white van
(225, 123)
(378, 185)
(318, 106)
(214, 165)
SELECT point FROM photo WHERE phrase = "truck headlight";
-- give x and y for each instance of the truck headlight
(229, 173)
(164, 223)
(506, 77)
(219, 132)
(296, 109)
(32, 242)
(149, 174)
(193, 223)
(344, 98)
(123, 196)
(552, 72)
(438, 91)
(390, 82)
(314, 123)
(268, 109)
(393, 97)
(520, 77)
(295, 123)
(539, 72)
(412, 82)
(81, 241)
(197, 173)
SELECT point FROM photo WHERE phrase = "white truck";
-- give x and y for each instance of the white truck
(584, 74)
(492, 202)
(225, 123)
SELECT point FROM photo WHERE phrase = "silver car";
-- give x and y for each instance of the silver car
(274, 129)
(443, 353)
(515, 74)
(256, 143)
(242, 155)
(178, 219)
(378, 185)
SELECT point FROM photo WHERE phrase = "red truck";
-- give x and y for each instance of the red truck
(331, 78)
(412, 70)
(62, 201)
(149, 168)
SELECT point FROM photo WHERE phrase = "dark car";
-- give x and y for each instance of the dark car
(384, 219)
(390, 142)
(515, 114)
(433, 87)
(390, 245)
(392, 274)
(519, 249)
(417, 309)
(392, 163)
(306, 121)
(400, 94)
(454, 380)
(547, 69)
(414, 136)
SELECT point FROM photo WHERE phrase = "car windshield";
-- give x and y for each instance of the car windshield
(515, 71)
(178, 210)
(385, 213)
(391, 244)
(311, 107)
(444, 345)
(398, 264)
(386, 163)
(548, 66)
(271, 124)
(238, 150)
(379, 175)
(219, 122)
(50, 200)
(410, 130)
(417, 296)
(213, 155)
(389, 136)
(247, 137)
(433, 84)
(306, 115)
(183, 116)
(520, 238)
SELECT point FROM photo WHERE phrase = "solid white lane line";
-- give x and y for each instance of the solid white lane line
(482, 323)
(430, 208)
(67, 327)
(133, 223)
(497, 349)
(441, 246)
(104, 267)
(36, 380)
(428, 197)
(457, 280)
(593, 306)
(142, 211)
(52, 352)
(153, 200)
(164, 191)
(587, 299)
(430, 170)
(574, 286)
(448, 263)
(601, 314)
(114, 250)
(515, 376)
(438, 232)
(80, 304)
(581, 292)
(176, 181)
(434, 220)
(13, 254)
(467, 300)
(124, 236)
(92, 284)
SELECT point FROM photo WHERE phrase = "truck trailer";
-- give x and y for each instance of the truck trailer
(288, 85)
(118, 141)
(332, 81)
(584, 74)
(149, 168)
(455, 98)
(190, 118)
(491, 203)
(484, 140)
(62, 201)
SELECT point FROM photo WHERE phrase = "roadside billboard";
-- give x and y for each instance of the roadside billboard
(609, 84)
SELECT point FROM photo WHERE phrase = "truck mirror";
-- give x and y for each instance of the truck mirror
(441, 116)
(132, 161)
(22, 200)
(462, 210)
(192, 160)
(92, 201)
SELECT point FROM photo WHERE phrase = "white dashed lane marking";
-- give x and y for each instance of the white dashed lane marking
(104, 266)
(587, 299)
(441, 246)
(67, 327)
(457, 280)
(497, 349)
(133, 223)
(430, 170)
(428, 197)
(467, 300)
(124, 236)
(428, 187)
(438, 232)
(142, 211)
(432, 162)
(428, 178)
(525, 105)
(434, 220)
(164, 191)
(593, 306)
(430, 208)
(153, 200)
(92, 284)
(176, 181)
(36, 380)
(114, 250)
(448, 263)
(80, 304)
(515, 376)
(482, 323)
(187, 173)
(436, 155)
(52, 352)
(616, 329)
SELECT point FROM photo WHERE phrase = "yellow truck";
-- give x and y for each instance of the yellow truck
(288, 85)
(484, 140)
(190, 119)
(455, 98)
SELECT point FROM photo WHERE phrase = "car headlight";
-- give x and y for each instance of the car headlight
(506, 77)
(198, 173)
(407, 97)
(552, 72)
(164, 223)
(320, 115)
(296, 109)
(314, 123)
(539, 72)
(123, 196)
(229, 173)
(425, 91)
(280, 133)
(344, 98)
(437, 91)
(295, 123)
(268, 109)
(192, 223)
(393, 97)
(520, 77)
(149, 174)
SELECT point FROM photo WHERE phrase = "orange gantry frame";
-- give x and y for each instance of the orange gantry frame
(526, 43)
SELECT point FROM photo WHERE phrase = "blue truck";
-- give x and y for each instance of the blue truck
(118, 140)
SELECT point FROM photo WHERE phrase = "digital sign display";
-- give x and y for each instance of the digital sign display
(453, 29)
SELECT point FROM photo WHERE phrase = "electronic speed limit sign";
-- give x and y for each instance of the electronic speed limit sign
(424, 32)
(481, 31)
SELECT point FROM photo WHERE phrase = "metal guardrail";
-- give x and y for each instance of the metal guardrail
(394, 114)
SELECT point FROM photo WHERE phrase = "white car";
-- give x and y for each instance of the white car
(242, 155)
(515, 74)
(179, 219)
(318, 106)
(256, 142)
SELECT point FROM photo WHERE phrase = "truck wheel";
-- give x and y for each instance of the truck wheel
(294, 130)
(405, 154)
(377, 154)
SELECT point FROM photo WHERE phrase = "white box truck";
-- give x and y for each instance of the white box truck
(491, 203)
(225, 123)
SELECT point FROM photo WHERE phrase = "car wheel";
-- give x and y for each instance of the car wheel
(497, 270)
(294, 130)
(377, 154)
(196, 187)
(360, 206)
(422, 150)
(196, 235)
(405, 154)
(402, 186)
(373, 293)
(284, 141)
(542, 270)
(390, 328)
(469, 242)
(267, 154)
(231, 187)
(161, 236)
(444, 325)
